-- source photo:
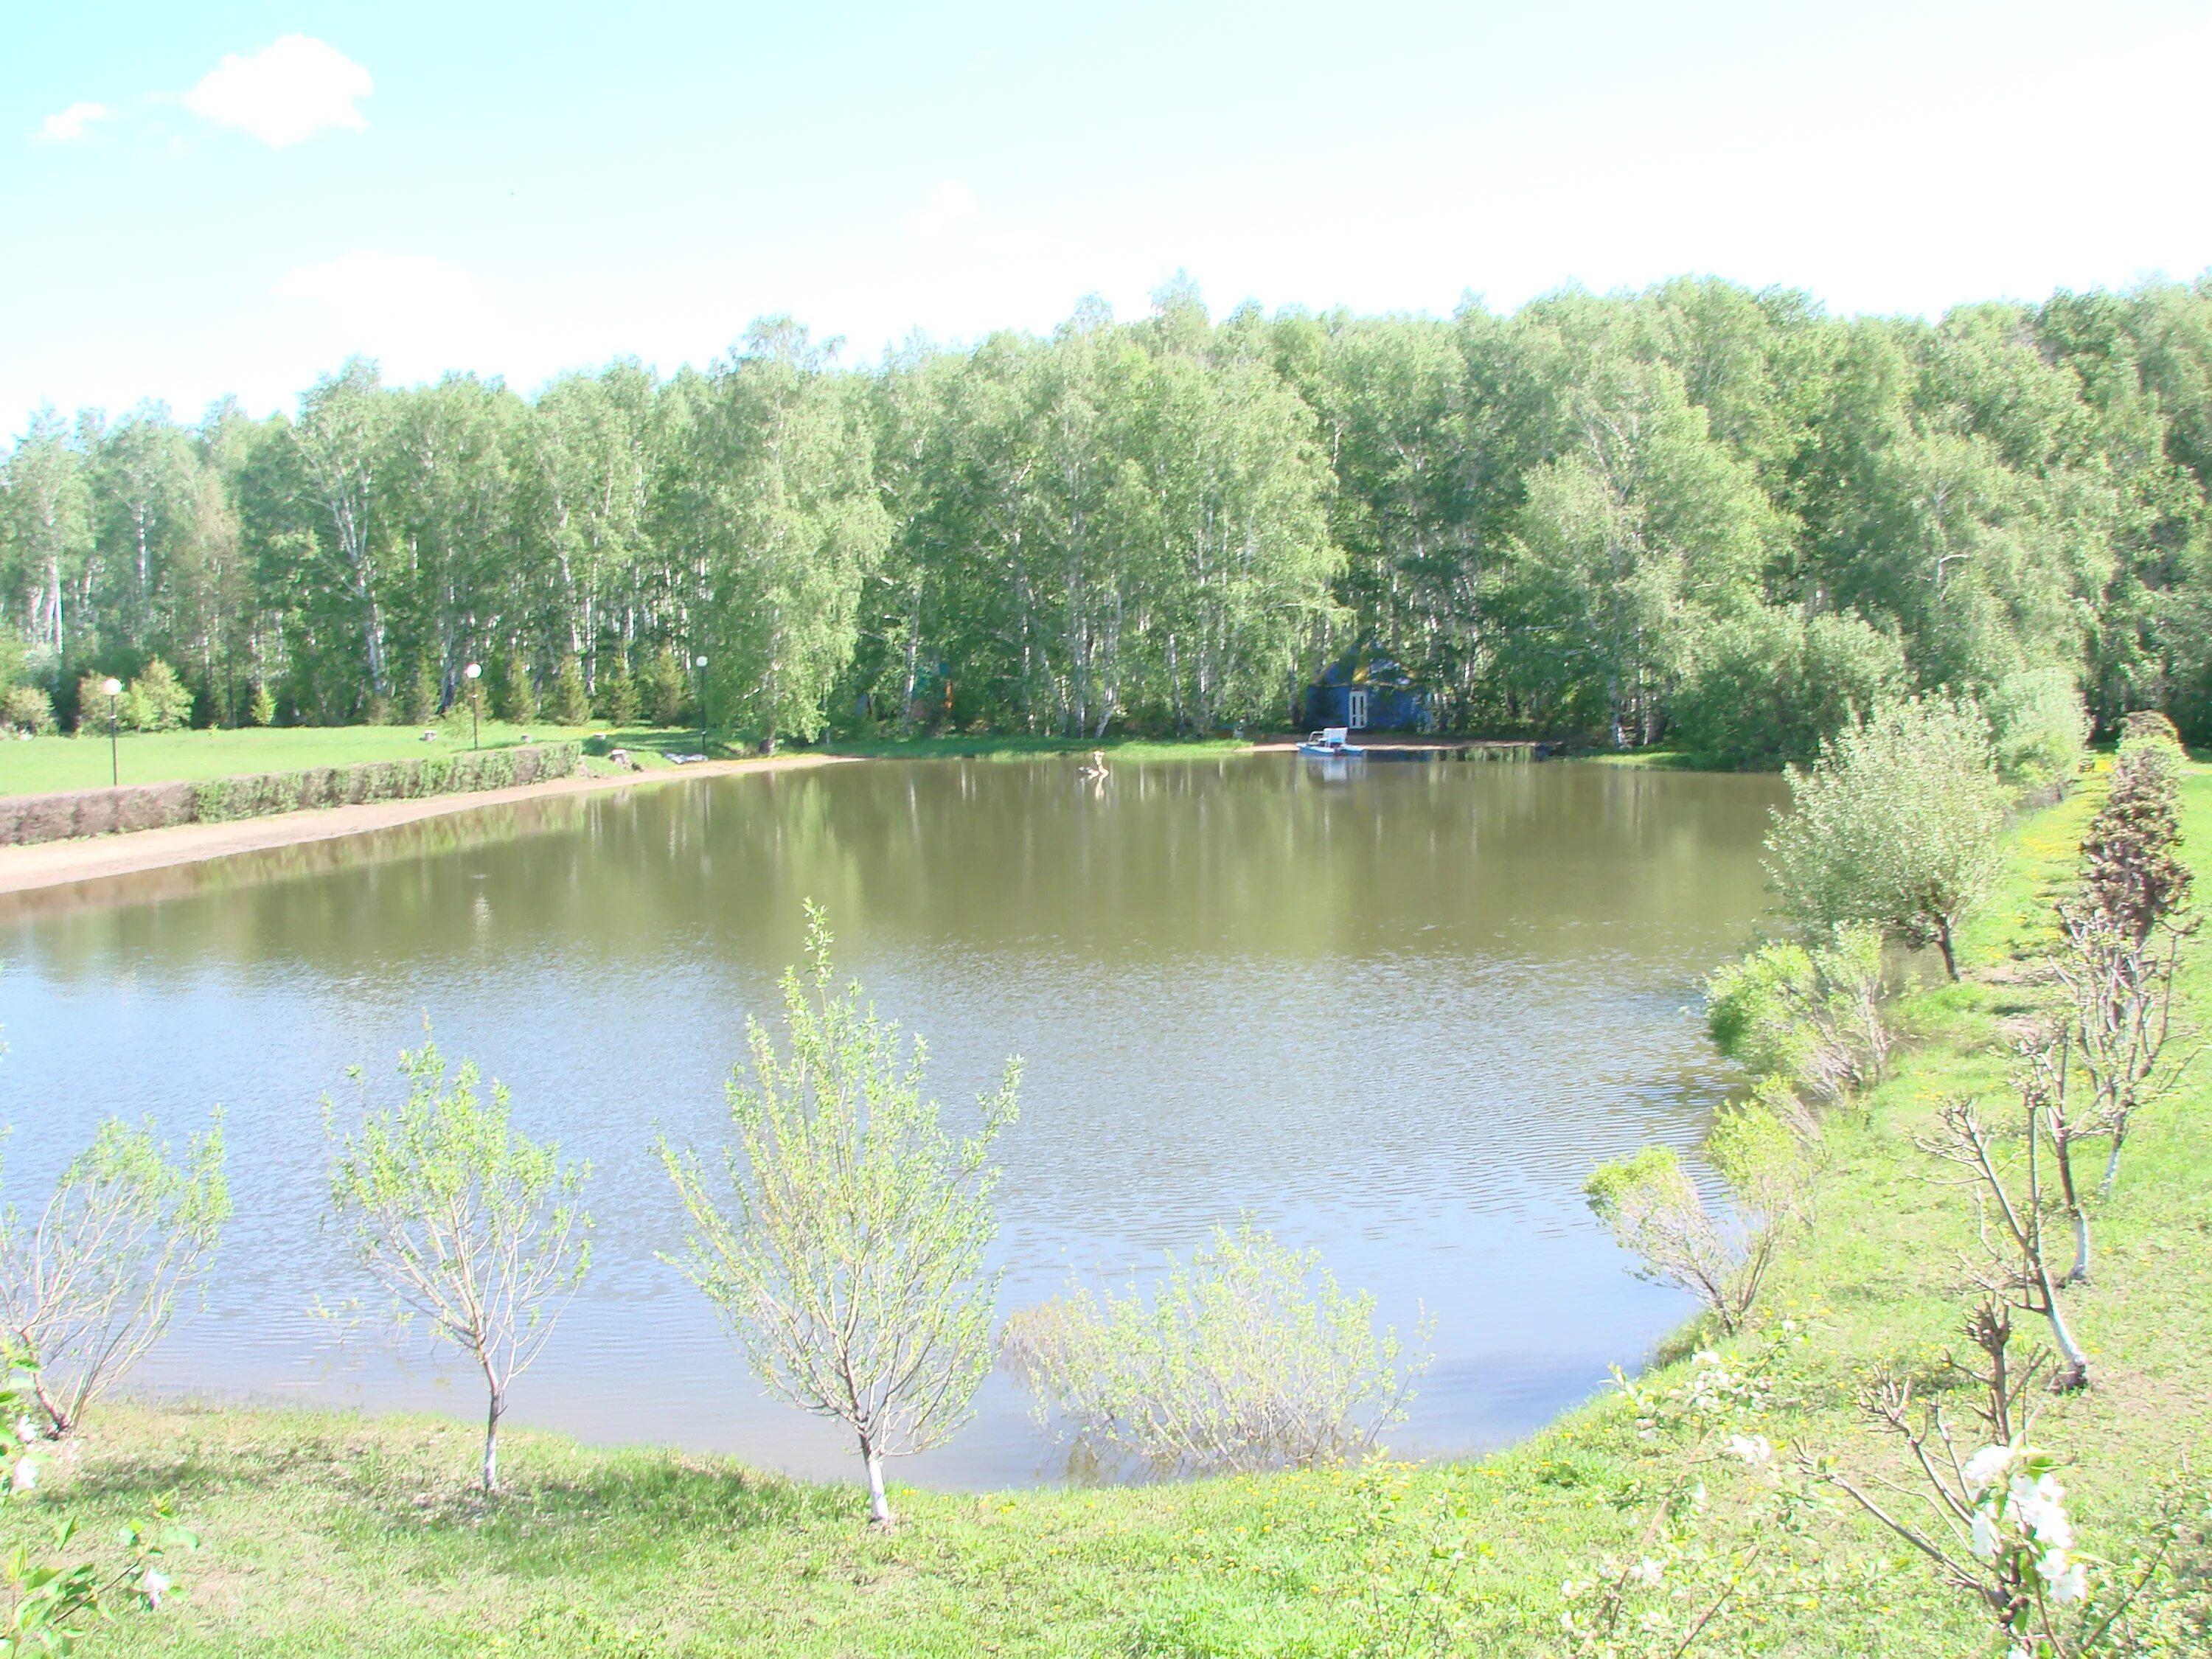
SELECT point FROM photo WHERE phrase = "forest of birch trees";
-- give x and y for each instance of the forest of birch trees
(1699, 512)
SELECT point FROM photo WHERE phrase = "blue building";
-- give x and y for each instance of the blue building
(1367, 692)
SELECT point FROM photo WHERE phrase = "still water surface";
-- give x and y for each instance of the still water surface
(1395, 1012)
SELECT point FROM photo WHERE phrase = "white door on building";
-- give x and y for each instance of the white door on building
(1356, 713)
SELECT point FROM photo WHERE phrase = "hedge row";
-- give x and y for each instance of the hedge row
(28, 818)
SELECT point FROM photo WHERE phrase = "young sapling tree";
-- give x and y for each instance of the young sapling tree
(1897, 824)
(2014, 1269)
(464, 1224)
(849, 1258)
(1655, 1212)
(91, 1285)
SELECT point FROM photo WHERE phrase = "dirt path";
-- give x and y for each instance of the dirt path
(58, 863)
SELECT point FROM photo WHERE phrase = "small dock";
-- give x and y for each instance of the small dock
(1412, 746)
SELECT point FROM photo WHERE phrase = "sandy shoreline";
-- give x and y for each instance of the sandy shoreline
(63, 863)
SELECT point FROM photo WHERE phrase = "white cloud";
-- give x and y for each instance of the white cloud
(948, 204)
(284, 94)
(68, 124)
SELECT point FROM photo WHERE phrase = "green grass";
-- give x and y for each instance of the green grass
(1018, 747)
(51, 765)
(330, 1533)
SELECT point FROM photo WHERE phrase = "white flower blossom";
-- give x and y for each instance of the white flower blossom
(1985, 1535)
(2072, 1584)
(26, 1475)
(155, 1585)
(1647, 1571)
(1753, 1448)
(1984, 1468)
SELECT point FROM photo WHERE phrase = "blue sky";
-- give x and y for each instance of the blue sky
(232, 197)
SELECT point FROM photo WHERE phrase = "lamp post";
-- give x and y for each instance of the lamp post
(113, 687)
(474, 673)
(700, 663)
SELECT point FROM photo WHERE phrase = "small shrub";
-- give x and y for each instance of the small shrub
(1656, 1214)
(1814, 1017)
(618, 696)
(2041, 727)
(464, 1224)
(90, 1285)
(96, 709)
(261, 707)
(2134, 872)
(570, 703)
(1898, 824)
(667, 688)
(27, 709)
(1247, 1356)
(422, 705)
(518, 692)
(158, 701)
(850, 1259)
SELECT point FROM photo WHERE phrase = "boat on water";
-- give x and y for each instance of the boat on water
(1332, 743)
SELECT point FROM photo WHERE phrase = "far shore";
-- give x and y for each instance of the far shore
(61, 863)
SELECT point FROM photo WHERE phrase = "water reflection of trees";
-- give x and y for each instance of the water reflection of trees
(1257, 857)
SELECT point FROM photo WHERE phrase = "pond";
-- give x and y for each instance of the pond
(1392, 1012)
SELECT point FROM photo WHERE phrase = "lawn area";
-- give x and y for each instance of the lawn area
(1018, 747)
(333, 1534)
(51, 765)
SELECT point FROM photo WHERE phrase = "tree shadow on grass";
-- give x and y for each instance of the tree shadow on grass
(364, 1487)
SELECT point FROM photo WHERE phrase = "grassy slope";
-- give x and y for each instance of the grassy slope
(327, 1533)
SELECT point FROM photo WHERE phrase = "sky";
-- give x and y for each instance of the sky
(231, 198)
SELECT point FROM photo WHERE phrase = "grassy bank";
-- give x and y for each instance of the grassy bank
(51, 765)
(1018, 747)
(330, 1533)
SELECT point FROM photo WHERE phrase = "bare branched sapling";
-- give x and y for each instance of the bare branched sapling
(91, 1285)
(464, 1224)
(1993, 1522)
(2013, 1267)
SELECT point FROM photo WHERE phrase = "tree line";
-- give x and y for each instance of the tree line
(1698, 513)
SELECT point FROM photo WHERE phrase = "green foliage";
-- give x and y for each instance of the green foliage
(515, 697)
(261, 707)
(1247, 1357)
(218, 800)
(667, 688)
(2041, 727)
(1811, 1017)
(1655, 1212)
(95, 708)
(89, 1284)
(570, 703)
(422, 706)
(464, 1224)
(618, 696)
(46, 1604)
(1769, 686)
(157, 701)
(849, 1259)
(27, 709)
(1897, 825)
